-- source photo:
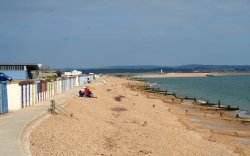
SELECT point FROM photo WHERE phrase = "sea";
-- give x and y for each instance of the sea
(230, 90)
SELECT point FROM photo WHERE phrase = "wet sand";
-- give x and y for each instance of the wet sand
(125, 121)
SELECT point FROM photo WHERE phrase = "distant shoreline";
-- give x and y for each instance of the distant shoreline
(173, 75)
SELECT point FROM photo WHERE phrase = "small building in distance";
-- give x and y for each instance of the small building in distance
(27, 71)
(73, 73)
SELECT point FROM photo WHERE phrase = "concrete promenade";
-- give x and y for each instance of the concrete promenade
(13, 124)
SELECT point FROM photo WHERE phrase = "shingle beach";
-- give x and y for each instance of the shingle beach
(122, 122)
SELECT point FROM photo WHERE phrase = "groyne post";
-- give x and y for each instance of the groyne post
(53, 106)
(174, 94)
(219, 103)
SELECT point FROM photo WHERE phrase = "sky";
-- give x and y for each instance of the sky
(97, 33)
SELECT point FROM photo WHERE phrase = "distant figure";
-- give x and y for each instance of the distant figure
(237, 135)
(181, 101)
(220, 114)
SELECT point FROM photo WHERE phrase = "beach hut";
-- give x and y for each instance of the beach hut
(91, 76)
(3, 98)
(26, 92)
(14, 96)
(37, 90)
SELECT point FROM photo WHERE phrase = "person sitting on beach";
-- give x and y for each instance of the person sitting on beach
(81, 91)
(87, 93)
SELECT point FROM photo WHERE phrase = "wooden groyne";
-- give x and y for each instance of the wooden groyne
(195, 101)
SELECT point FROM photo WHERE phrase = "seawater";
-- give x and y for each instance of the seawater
(230, 90)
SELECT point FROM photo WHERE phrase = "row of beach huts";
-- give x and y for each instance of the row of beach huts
(22, 94)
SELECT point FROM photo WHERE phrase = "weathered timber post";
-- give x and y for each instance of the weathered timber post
(53, 107)
(174, 94)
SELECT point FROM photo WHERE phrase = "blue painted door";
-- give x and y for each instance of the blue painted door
(3, 98)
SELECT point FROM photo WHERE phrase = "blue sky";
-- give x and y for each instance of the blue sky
(96, 33)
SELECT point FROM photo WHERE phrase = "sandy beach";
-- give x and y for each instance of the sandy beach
(125, 121)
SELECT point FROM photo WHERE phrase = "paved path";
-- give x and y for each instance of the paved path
(13, 124)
